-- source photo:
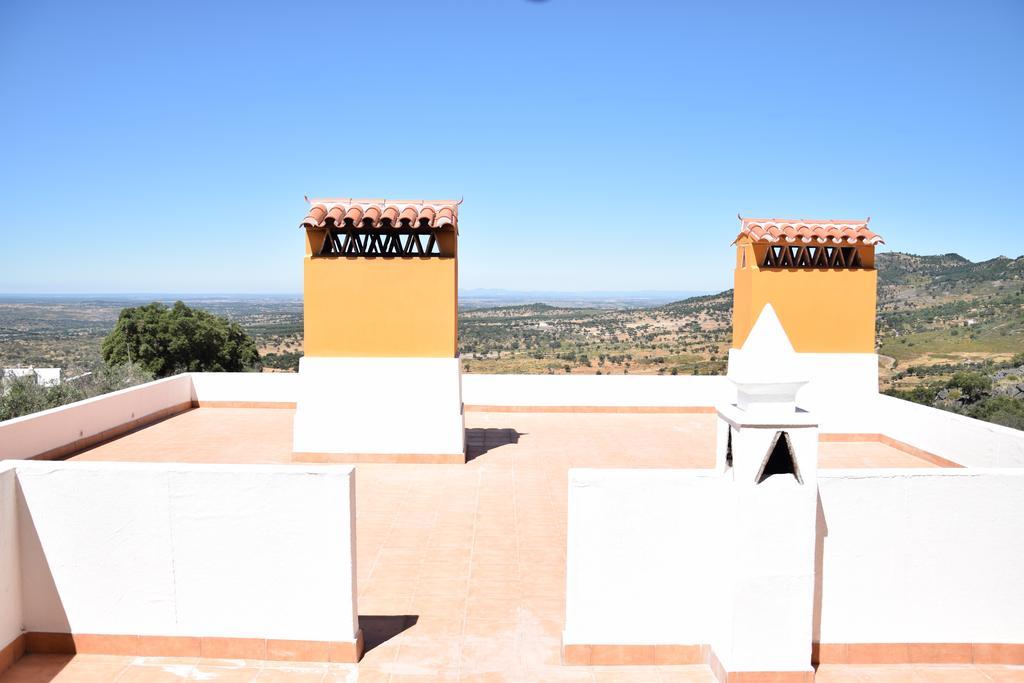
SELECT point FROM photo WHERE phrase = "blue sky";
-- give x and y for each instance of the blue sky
(598, 146)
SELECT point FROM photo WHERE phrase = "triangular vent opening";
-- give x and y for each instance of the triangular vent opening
(728, 449)
(779, 459)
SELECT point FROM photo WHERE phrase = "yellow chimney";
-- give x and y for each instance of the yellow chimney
(380, 278)
(818, 275)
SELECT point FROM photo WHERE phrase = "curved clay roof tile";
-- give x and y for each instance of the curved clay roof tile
(315, 216)
(427, 214)
(390, 214)
(354, 214)
(849, 234)
(408, 214)
(334, 215)
(371, 218)
(446, 216)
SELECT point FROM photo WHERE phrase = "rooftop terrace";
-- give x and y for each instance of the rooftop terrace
(543, 442)
(461, 568)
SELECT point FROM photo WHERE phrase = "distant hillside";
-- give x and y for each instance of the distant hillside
(708, 304)
(942, 305)
(940, 309)
(897, 268)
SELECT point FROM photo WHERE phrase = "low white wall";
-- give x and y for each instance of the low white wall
(920, 556)
(10, 571)
(380, 405)
(641, 563)
(258, 387)
(595, 390)
(842, 391)
(907, 556)
(202, 550)
(964, 440)
(31, 435)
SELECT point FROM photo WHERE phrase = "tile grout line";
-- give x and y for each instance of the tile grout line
(408, 603)
(472, 552)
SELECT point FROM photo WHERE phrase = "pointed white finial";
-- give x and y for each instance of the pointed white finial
(766, 371)
(768, 335)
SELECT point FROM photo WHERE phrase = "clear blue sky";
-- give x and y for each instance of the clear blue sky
(167, 146)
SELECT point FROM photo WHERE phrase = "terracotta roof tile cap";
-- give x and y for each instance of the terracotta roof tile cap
(805, 229)
(437, 213)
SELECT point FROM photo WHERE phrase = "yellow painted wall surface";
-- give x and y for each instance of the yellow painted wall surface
(394, 307)
(822, 310)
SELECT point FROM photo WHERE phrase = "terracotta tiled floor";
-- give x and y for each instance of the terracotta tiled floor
(919, 673)
(104, 669)
(461, 568)
(264, 435)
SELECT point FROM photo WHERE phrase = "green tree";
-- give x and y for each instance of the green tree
(1002, 410)
(972, 385)
(167, 340)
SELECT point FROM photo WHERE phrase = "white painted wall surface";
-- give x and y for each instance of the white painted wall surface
(28, 436)
(919, 556)
(842, 390)
(10, 569)
(642, 546)
(260, 387)
(768, 566)
(379, 405)
(964, 440)
(908, 556)
(45, 377)
(595, 390)
(202, 550)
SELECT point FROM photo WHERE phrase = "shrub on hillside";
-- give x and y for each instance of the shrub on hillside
(1001, 410)
(971, 385)
(23, 395)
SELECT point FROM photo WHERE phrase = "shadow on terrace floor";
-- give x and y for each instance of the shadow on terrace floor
(479, 440)
(380, 629)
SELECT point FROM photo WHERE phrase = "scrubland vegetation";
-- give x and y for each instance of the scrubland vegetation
(950, 334)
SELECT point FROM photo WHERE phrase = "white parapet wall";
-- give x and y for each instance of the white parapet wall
(640, 565)
(154, 549)
(914, 556)
(77, 423)
(379, 406)
(432, 407)
(966, 441)
(245, 387)
(842, 390)
(10, 568)
(625, 391)
(836, 380)
(922, 556)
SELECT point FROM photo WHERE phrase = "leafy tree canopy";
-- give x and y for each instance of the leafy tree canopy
(973, 385)
(167, 340)
(1001, 410)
